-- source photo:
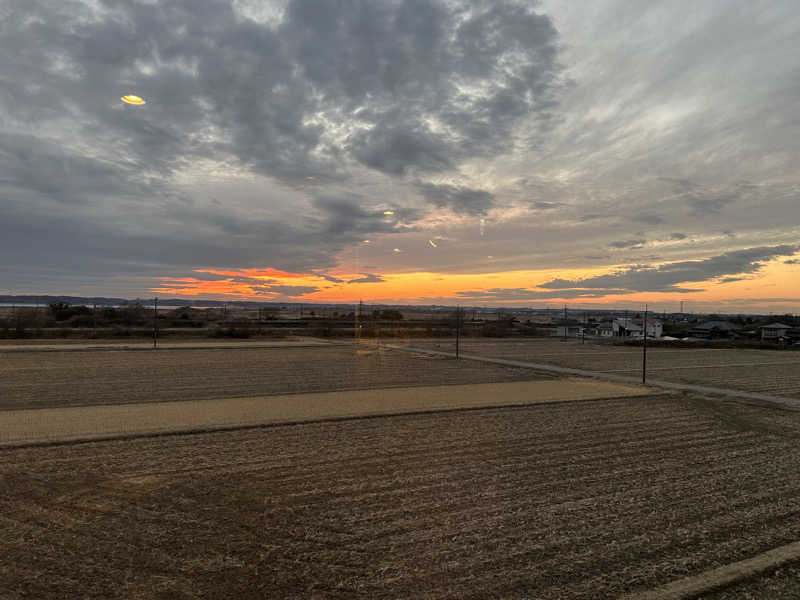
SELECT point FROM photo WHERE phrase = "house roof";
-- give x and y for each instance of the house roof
(776, 326)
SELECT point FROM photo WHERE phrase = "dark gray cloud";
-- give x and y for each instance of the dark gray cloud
(708, 206)
(544, 205)
(649, 219)
(627, 244)
(205, 276)
(252, 280)
(707, 200)
(792, 261)
(347, 218)
(596, 256)
(394, 150)
(306, 100)
(330, 278)
(462, 200)
(431, 83)
(36, 166)
(368, 278)
(527, 294)
(665, 278)
(677, 236)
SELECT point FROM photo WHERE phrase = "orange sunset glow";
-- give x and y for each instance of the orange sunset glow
(773, 288)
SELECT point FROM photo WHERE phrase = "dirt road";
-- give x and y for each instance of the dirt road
(88, 422)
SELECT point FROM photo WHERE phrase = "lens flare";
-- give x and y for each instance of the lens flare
(131, 99)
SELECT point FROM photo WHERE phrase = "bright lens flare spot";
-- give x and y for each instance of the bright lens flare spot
(388, 212)
(366, 241)
(131, 99)
(432, 243)
(396, 250)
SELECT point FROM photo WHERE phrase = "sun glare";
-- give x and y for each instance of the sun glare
(131, 99)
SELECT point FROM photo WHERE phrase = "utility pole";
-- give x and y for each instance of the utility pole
(155, 323)
(565, 323)
(356, 314)
(644, 349)
(583, 330)
(458, 331)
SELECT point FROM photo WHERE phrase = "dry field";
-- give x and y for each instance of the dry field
(575, 500)
(45, 425)
(50, 379)
(780, 584)
(764, 371)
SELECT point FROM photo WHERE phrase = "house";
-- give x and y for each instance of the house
(710, 330)
(628, 327)
(774, 331)
(605, 329)
(569, 331)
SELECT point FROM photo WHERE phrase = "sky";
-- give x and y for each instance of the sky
(483, 153)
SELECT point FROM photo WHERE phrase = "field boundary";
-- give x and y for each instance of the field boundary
(660, 383)
(721, 577)
(22, 427)
(268, 425)
(149, 348)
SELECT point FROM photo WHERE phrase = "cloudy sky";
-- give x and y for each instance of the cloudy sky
(431, 151)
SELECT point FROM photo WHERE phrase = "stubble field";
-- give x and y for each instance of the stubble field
(80, 378)
(576, 500)
(763, 371)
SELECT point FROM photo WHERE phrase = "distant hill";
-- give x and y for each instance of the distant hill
(102, 300)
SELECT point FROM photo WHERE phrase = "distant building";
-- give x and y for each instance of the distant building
(633, 328)
(569, 331)
(605, 329)
(774, 331)
(713, 330)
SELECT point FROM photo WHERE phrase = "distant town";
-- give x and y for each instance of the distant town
(27, 316)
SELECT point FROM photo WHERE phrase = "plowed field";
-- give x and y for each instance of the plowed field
(577, 500)
(764, 371)
(75, 378)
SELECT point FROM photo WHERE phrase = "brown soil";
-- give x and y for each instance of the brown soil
(88, 422)
(763, 371)
(51, 379)
(572, 500)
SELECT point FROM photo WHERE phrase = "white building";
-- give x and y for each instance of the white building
(569, 331)
(773, 331)
(605, 330)
(627, 327)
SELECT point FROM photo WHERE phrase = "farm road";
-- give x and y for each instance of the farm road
(763, 375)
(92, 422)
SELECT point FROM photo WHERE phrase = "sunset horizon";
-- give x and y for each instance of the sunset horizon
(525, 154)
